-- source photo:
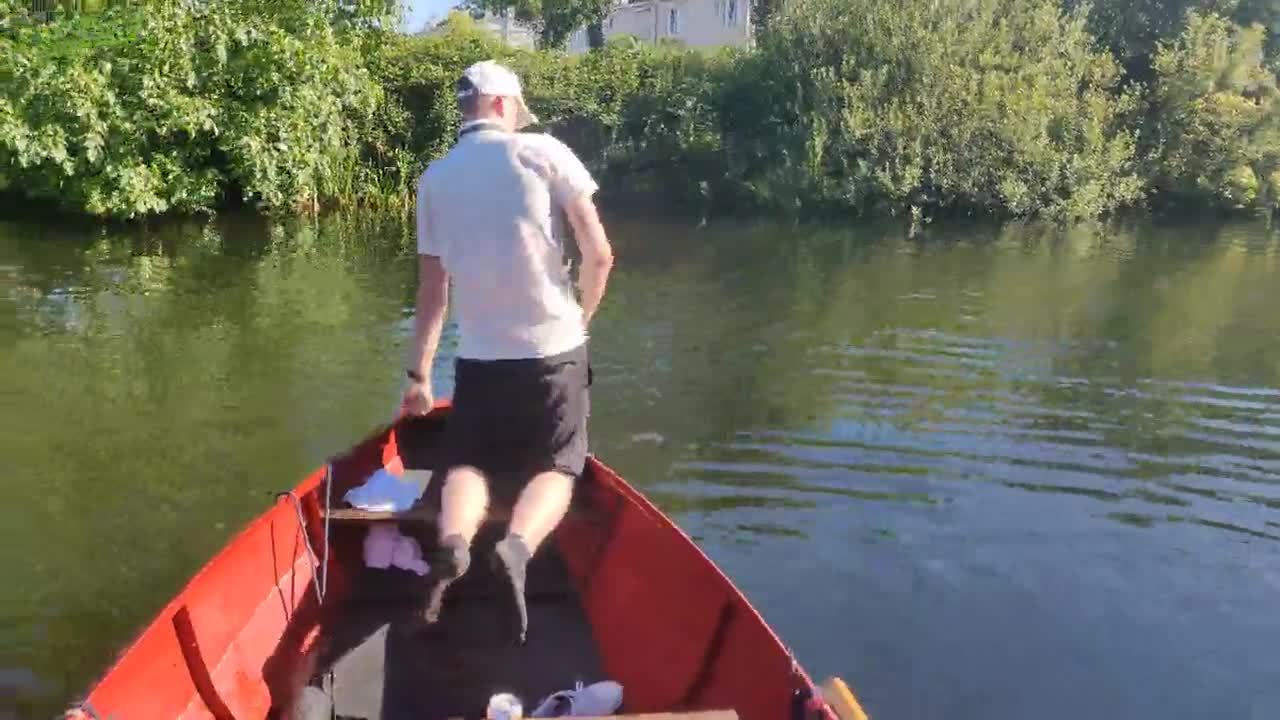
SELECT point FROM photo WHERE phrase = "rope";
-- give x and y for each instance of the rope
(320, 566)
(320, 569)
(306, 541)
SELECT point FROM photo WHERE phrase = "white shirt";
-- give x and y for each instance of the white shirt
(491, 210)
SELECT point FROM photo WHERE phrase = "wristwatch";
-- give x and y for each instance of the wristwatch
(415, 376)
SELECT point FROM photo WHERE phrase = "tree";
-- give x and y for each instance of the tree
(1007, 106)
(1134, 29)
(1216, 115)
(363, 13)
(555, 20)
(763, 12)
(1267, 14)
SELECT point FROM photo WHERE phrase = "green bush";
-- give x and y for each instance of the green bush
(1004, 106)
(418, 118)
(638, 115)
(1216, 118)
(1134, 29)
(644, 116)
(129, 113)
(991, 106)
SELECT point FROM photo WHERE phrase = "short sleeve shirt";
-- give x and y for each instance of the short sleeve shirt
(492, 211)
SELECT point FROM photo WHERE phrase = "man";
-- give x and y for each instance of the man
(489, 221)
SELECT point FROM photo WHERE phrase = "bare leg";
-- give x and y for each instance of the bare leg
(464, 500)
(542, 505)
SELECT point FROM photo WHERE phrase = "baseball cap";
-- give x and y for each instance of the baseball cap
(489, 78)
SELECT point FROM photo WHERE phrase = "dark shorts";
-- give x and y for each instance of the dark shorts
(513, 419)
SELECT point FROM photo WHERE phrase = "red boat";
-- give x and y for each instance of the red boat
(287, 617)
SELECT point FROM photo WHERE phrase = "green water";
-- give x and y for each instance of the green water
(987, 472)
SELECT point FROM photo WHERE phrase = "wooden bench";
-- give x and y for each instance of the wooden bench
(427, 516)
(422, 515)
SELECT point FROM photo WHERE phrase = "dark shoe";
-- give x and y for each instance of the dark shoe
(451, 562)
(512, 557)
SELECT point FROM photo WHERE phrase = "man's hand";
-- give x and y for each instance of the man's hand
(417, 399)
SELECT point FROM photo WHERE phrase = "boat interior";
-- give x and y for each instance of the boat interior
(617, 593)
(286, 621)
(377, 659)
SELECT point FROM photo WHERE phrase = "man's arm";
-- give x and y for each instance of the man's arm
(597, 255)
(431, 304)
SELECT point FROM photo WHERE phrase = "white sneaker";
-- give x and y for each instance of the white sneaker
(595, 700)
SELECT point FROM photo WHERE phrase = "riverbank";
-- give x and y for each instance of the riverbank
(1011, 108)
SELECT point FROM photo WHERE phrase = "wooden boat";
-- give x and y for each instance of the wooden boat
(288, 614)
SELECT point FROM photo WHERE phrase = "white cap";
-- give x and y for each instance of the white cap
(489, 78)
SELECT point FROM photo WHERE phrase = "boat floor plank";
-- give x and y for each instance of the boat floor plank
(699, 715)
(387, 666)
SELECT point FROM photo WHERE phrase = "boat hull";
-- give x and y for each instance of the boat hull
(239, 640)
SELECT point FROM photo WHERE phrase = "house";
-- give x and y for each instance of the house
(691, 23)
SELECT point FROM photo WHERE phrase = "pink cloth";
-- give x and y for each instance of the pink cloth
(408, 555)
(385, 547)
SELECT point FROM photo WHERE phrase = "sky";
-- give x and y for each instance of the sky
(418, 13)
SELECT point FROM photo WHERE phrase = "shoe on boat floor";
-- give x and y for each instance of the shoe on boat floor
(595, 700)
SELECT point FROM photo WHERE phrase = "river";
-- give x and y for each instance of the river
(988, 472)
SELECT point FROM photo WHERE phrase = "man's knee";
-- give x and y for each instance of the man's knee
(463, 473)
(464, 500)
(549, 486)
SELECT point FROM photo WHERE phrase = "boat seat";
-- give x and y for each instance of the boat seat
(498, 514)
(427, 516)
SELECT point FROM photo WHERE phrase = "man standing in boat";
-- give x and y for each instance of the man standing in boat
(489, 220)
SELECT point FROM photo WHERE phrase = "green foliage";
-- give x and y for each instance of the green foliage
(636, 111)
(1133, 29)
(764, 11)
(418, 118)
(1216, 118)
(554, 20)
(625, 108)
(1003, 107)
(1267, 14)
(919, 106)
(129, 113)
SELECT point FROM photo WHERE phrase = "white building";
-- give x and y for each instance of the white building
(691, 23)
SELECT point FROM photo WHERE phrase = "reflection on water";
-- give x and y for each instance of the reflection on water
(991, 472)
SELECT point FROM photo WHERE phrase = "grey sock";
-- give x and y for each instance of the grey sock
(456, 553)
(514, 555)
(452, 560)
(516, 549)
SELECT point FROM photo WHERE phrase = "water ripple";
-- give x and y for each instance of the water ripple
(916, 416)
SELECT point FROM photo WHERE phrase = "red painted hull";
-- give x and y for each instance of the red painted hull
(234, 642)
